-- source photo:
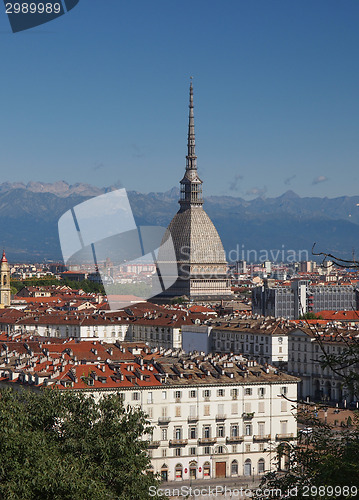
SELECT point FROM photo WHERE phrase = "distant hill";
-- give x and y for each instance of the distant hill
(29, 215)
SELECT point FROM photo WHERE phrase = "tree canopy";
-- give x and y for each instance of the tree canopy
(60, 445)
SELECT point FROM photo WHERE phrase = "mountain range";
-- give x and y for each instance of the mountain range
(282, 225)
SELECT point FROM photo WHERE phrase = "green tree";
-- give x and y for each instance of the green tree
(310, 315)
(324, 457)
(60, 445)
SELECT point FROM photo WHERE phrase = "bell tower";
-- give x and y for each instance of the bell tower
(5, 290)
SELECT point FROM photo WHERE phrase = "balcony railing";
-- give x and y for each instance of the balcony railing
(285, 437)
(247, 416)
(153, 444)
(234, 439)
(210, 440)
(221, 416)
(164, 420)
(262, 437)
(178, 442)
(192, 418)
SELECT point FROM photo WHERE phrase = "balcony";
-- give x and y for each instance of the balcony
(164, 420)
(178, 442)
(192, 418)
(205, 441)
(247, 416)
(262, 437)
(153, 444)
(234, 439)
(221, 416)
(285, 437)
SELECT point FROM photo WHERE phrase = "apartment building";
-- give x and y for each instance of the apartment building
(264, 340)
(305, 353)
(212, 416)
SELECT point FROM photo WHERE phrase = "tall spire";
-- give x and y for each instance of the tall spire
(191, 158)
(191, 184)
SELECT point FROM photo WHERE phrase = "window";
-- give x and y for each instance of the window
(248, 448)
(206, 393)
(192, 411)
(193, 433)
(247, 407)
(164, 452)
(220, 431)
(234, 468)
(261, 428)
(261, 392)
(207, 450)
(234, 448)
(284, 390)
(178, 432)
(149, 398)
(248, 429)
(283, 426)
(234, 409)
(164, 395)
(135, 396)
(206, 469)
(206, 410)
(150, 412)
(220, 449)
(164, 434)
(178, 411)
(283, 406)
(178, 470)
(178, 394)
(206, 431)
(234, 393)
(220, 393)
(261, 407)
(261, 465)
(192, 394)
(248, 391)
(164, 411)
(261, 446)
(178, 452)
(192, 451)
(220, 409)
(234, 430)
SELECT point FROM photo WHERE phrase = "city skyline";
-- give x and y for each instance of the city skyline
(99, 96)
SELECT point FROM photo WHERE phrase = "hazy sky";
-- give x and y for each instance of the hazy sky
(100, 95)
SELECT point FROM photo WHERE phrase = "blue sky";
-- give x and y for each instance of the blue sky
(100, 95)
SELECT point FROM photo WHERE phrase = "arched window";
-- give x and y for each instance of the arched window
(247, 467)
(178, 471)
(261, 466)
(206, 470)
(234, 468)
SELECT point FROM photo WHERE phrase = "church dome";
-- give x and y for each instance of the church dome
(195, 239)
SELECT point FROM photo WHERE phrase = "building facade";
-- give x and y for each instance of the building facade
(212, 416)
(301, 297)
